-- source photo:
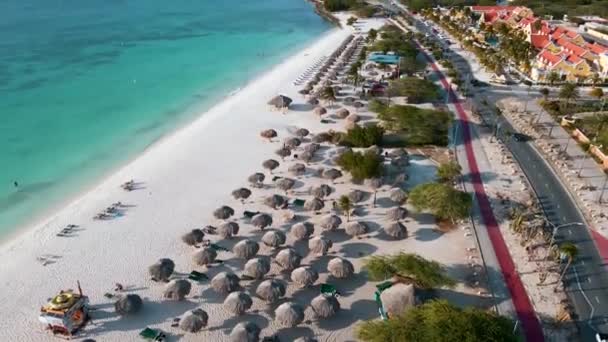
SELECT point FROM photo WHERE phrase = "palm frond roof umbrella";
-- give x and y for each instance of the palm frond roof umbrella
(257, 268)
(319, 245)
(340, 268)
(312, 147)
(270, 164)
(256, 178)
(285, 183)
(349, 99)
(305, 156)
(297, 169)
(332, 174)
(304, 276)
(225, 282)
(331, 222)
(305, 339)
(342, 113)
(325, 306)
(204, 256)
(162, 269)
(246, 249)
(313, 101)
(396, 230)
(353, 118)
(358, 104)
(322, 137)
(289, 314)
(271, 290)
(397, 299)
(177, 289)
(194, 321)
(356, 196)
(280, 101)
(356, 228)
(224, 212)
(320, 111)
(396, 213)
(283, 152)
(304, 91)
(228, 229)
(274, 238)
(292, 142)
(302, 230)
(245, 332)
(321, 191)
(313, 204)
(308, 87)
(276, 202)
(242, 193)
(288, 259)
(261, 220)
(193, 237)
(238, 302)
(397, 195)
(302, 132)
(268, 133)
(128, 305)
(374, 183)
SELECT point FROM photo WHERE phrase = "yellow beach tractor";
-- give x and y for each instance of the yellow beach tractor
(65, 313)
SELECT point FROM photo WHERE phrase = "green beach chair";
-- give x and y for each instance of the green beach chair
(383, 314)
(250, 214)
(218, 247)
(197, 276)
(383, 286)
(299, 202)
(276, 178)
(152, 334)
(329, 290)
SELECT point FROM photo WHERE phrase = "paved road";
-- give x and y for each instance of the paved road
(586, 282)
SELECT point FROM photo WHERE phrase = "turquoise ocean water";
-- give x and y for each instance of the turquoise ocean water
(86, 85)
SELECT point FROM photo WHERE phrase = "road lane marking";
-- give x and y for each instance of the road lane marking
(597, 299)
(586, 298)
(569, 232)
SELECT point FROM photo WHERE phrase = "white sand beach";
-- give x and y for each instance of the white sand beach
(181, 180)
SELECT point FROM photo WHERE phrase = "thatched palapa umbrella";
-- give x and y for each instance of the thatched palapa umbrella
(128, 305)
(271, 290)
(331, 222)
(320, 111)
(353, 118)
(280, 101)
(304, 91)
(304, 276)
(305, 156)
(238, 302)
(204, 256)
(224, 212)
(194, 321)
(358, 105)
(322, 137)
(274, 238)
(321, 191)
(289, 314)
(257, 268)
(261, 220)
(225, 282)
(312, 147)
(228, 229)
(305, 339)
(283, 152)
(270, 164)
(396, 230)
(276, 202)
(374, 184)
(325, 306)
(398, 196)
(302, 230)
(356, 196)
(162, 270)
(340, 268)
(319, 245)
(193, 237)
(332, 174)
(314, 204)
(288, 259)
(242, 193)
(313, 101)
(256, 179)
(245, 332)
(246, 249)
(268, 134)
(297, 169)
(302, 132)
(397, 299)
(177, 289)
(356, 228)
(396, 214)
(285, 184)
(349, 100)
(292, 142)
(342, 113)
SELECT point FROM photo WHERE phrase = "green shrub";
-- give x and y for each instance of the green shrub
(419, 126)
(448, 172)
(361, 165)
(363, 136)
(425, 273)
(415, 89)
(445, 202)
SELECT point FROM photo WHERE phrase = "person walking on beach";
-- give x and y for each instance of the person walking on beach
(16, 184)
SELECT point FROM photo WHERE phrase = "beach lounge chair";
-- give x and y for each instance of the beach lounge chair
(383, 314)
(197, 276)
(324, 121)
(383, 286)
(276, 178)
(152, 334)
(299, 202)
(329, 290)
(218, 247)
(250, 214)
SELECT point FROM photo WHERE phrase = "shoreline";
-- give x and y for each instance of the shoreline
(44, 217)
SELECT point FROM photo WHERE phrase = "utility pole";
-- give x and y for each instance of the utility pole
(603, 186)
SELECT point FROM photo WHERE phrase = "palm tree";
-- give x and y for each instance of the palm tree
(345, 205)
(568, 92)
(552, 77)
(570, 251)
(353, 73)
(328, 94)
(545, 93)
(601, 121)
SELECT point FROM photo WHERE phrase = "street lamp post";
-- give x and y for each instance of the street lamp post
(555, 228)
